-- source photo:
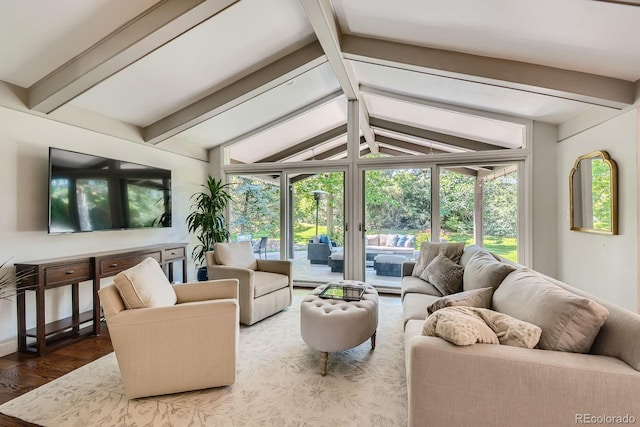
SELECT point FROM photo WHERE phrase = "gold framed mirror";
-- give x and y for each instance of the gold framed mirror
(593, 194)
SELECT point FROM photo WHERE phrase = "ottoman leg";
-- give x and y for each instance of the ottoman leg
(373, 341)
(324, 356)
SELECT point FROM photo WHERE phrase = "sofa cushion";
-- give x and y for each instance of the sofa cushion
(444, 274)
(429, 250)
(416, 285)
(569, 322)
(402, 238)
(468, 252)
(483, 270)
(144, 286)
(382, 239)
(480, 298)
(392, 239)
(265, 283)
(468, 325)
(373, 240)
(235, 254)
(414, 306)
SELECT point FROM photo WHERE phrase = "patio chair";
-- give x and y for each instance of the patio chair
(261, 246)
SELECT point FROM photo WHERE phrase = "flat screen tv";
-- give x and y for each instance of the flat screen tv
(90, 193)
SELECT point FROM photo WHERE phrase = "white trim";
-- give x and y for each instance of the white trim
(8, 347)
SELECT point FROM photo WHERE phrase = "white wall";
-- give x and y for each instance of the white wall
(24, 143)
(605, 266)
(544, 221)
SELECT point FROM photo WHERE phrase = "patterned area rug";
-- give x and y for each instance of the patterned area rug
(278, 384)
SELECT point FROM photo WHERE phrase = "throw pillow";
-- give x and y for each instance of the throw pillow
(145, 286)
(444, 274)
(470, 325)
(372, 240)
(235, 254)
(569, 322)
(391, 240)
(428, 251)
(483, 270)
(459, 326)
(480, 298)
(402, 238)
(324, 239)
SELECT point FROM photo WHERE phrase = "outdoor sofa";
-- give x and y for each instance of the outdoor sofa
(501, 385)
(390, 244)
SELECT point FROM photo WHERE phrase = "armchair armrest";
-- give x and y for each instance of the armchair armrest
(207, 290)
(225, 272)
(275, 266)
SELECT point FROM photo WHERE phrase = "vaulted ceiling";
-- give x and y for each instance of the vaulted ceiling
(270, 80)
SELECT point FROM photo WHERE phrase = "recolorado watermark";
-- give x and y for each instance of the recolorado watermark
(605, 419)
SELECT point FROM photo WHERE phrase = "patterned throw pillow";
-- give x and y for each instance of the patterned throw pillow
(444, 274)
(479, 298)
(401, 239)
(428, 251)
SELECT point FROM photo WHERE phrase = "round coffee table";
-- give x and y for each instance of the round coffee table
(330, 325)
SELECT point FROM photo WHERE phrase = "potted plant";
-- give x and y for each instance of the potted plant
(207, 220)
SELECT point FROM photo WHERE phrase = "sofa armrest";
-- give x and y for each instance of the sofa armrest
(407, 268)
(207, 290)
(503, 385)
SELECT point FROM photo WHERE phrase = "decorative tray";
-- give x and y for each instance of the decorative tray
(343, 292)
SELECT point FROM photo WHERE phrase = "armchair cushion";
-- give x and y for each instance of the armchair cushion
(235, 254)
(145, 286)
(265, 282)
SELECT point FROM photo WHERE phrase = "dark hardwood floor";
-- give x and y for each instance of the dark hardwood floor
(20, 373)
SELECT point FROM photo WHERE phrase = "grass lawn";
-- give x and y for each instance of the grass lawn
(506, 247)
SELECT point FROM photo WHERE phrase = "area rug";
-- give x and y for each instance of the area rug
(278, 384)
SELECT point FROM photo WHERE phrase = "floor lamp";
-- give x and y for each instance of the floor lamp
(318, 195)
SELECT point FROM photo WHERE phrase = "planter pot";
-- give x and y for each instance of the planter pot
(202, 274)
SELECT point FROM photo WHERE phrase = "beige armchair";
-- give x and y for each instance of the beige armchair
(265, 285)
(185, 338)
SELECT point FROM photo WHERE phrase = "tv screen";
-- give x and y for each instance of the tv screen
(89, 193)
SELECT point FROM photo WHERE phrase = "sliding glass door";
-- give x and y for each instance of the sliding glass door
(397, 212)
(317, 226)
(255, 212)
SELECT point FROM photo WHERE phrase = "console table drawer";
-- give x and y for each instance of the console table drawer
(111, 266)
(173, 253)
(71, 273)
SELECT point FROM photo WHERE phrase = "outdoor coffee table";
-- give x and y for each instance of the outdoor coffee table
(330, 325)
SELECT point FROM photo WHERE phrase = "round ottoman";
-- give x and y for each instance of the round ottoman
(335, 325)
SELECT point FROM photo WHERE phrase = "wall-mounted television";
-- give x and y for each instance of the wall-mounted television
(89, 193)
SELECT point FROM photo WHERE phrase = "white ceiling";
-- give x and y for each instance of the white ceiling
(247, 74)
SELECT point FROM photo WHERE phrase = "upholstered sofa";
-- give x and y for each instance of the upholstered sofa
(501, 385)
(389, 244)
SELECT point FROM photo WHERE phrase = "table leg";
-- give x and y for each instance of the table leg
(324, 356)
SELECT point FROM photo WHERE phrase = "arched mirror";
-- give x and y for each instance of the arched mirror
(593, 188)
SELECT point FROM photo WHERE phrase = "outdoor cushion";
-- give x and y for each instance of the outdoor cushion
(444, 274)
(392, 239)
(144, 286)
(410, 242)
(324, 239)
(429, 250)
(569, 322)
(402, 238)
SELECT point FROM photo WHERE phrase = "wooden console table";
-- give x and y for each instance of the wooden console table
(70, 271)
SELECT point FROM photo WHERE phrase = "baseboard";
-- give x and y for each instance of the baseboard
(8, 347)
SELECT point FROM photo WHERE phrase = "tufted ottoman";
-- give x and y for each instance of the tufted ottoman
(335, 325)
